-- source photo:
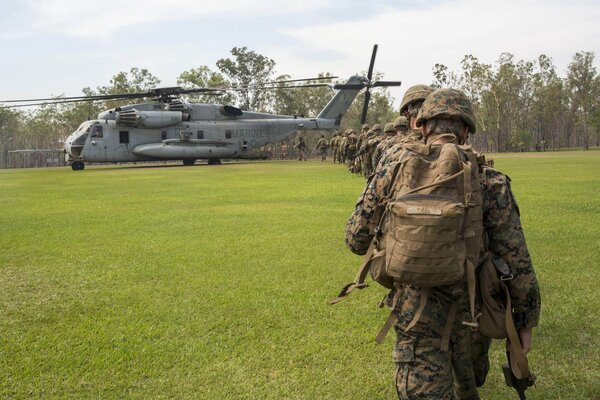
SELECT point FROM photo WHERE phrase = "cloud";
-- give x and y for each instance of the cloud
(412, 40)
(108, 17)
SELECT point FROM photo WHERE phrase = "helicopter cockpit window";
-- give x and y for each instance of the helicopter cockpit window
(227, 134)
(80, 141)
(96, 131)
(163, 135)
(200, 134)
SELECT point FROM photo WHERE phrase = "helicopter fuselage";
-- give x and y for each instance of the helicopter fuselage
(183, 131)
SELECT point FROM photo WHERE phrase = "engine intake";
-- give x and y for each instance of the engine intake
(150, 119)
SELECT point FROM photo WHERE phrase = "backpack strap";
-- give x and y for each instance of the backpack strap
(518, 361)
(391, 319)
(361, 275)
(363, 269)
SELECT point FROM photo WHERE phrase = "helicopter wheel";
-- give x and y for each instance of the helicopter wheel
(188, 161)
(77, 166)
(214, 161)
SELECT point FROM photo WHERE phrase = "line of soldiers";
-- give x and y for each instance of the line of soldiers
(361, 153)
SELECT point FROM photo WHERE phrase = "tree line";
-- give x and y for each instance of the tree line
(520, 105)
(526, 105)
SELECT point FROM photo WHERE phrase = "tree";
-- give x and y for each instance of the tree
(10, 124)
(136, 80)
(245, 69)
(583, 91)
(307, 101)
(204, 77)
(548, 111)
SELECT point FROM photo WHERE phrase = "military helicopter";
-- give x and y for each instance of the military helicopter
(168, 128)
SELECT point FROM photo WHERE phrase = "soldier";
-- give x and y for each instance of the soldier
(401, 127)
(301, 146)
(424, 370)
(411, 103)
(284, 151)
(343, 145)
(364, 133)
(351, 147)
(322, 146)
(367, 147)
(391, 135)
(334, 146)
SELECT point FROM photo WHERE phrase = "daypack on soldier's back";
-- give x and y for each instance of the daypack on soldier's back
(432, 224)
(428, 230)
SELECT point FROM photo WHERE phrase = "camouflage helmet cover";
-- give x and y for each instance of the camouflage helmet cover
(400, 122)
(376, 127)
(365, 126)
(389, 127)
(448, 103)
(414, 93)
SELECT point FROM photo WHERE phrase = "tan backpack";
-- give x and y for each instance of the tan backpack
(433, 224)
(429, 229)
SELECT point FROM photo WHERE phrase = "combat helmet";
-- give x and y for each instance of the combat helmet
(400, 122)
(376, 127)
(450, 104)
(365, 126)
(414, 93)
(389, 127)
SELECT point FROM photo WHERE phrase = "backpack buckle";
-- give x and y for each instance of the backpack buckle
(506, 277)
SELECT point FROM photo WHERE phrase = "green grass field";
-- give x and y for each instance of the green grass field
(211, 282)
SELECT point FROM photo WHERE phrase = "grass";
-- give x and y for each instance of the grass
(211, 282)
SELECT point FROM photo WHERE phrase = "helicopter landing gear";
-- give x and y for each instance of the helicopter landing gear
(214, 161)
(77, 166)
(188, 161)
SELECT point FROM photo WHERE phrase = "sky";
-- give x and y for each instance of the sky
(54, 47)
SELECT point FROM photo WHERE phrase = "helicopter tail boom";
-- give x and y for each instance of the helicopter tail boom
(339, 104)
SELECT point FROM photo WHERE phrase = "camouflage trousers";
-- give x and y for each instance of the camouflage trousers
(423, 369)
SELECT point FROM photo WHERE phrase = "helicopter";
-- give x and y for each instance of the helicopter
(169, 128)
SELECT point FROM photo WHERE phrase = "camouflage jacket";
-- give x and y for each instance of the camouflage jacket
(501, 223)
(383, 147)
(322, 144)
(394, 150)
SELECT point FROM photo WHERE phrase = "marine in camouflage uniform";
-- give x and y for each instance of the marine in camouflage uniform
(302, 149)
(343, 144)
(394, 134)
(366, 149)
(409, 108)
(424, 370)
(364, 133)
(322, 146)
(351, 148)
(333, 143)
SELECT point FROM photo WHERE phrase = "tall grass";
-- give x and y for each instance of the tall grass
(211, 282)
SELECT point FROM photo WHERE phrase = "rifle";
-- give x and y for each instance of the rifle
(520, 385)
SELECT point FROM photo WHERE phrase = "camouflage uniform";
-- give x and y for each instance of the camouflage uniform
(366, 149)
(424, 371)
(351, 148)
(322, 145)
(301, 146)
(333, 143)
(393, 135)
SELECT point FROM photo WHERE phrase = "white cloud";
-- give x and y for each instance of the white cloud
(108, 17)
(413, 40)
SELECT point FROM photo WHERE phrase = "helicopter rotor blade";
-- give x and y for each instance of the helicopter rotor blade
(363, 116)
(386, 83)
(372, 63)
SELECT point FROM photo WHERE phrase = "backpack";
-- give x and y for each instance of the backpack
(429, 229)
(433, 223)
